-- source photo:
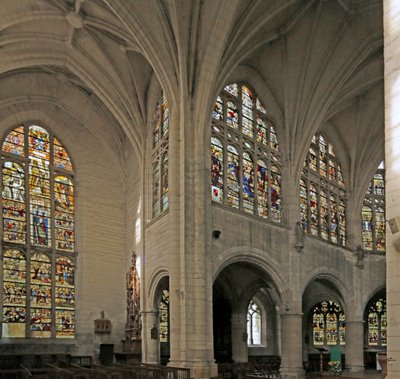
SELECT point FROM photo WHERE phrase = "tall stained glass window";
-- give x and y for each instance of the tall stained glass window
(254, 324)
(322, 193)
(245, 156)
(373, 214)
(38, 234)
(377, 322)
(328, 324)
(160, 197)
(163, 311)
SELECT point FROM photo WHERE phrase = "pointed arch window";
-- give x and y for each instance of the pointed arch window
(254, 324)
(322, 193)
(373, 214)
(245, 156)
(328, 324)
(160, 187)
(377, 322)
(38, 234)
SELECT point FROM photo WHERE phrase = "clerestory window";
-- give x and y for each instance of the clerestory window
(322, 193)
(245, 156)
(373, 214)
(160, 198)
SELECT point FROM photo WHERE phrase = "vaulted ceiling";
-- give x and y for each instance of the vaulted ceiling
(322, 61)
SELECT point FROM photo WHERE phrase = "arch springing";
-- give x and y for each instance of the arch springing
(373, 213)
(160, 198)
(245, 156)
(322, 193)
(38, 234)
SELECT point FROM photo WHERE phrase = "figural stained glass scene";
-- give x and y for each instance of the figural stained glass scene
(245, 156)
(39, 227)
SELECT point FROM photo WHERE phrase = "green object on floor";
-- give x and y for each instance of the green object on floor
(336, 354)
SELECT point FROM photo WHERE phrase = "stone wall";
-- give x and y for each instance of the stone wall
(392, 160)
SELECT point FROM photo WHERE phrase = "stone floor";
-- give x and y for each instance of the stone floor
(366, 374)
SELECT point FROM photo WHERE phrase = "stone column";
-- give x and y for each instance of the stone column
(239, 338)
(150, 346)
(355, 345)
(190, 267)
(291, 342)
(392, 159)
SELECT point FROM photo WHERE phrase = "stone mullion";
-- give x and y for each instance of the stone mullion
(28, 295)
(53, 239)
(308, 182)
(28, 251)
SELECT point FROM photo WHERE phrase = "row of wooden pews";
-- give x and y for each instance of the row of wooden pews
(49, 367)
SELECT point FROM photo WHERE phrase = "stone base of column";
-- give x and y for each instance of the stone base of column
(354, 368)
(292, 373)
(198, 370)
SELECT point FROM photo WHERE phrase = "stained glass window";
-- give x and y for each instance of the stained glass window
(254, 324)
(13, 197)
(328, 323)
(245, 156)
(217, 173)
(322, 195)
(377, 322)
(65, 297)
(164, 316)
(14, 294)
(248, 183)
(373, 214)
(38, 227)
(232, 174)
(160, 197)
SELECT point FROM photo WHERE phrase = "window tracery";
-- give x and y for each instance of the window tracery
(245, 157)
(322, 193)
(38, 234)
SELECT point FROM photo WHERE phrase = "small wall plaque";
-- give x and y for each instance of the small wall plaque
(153, 333)
(102, 325)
